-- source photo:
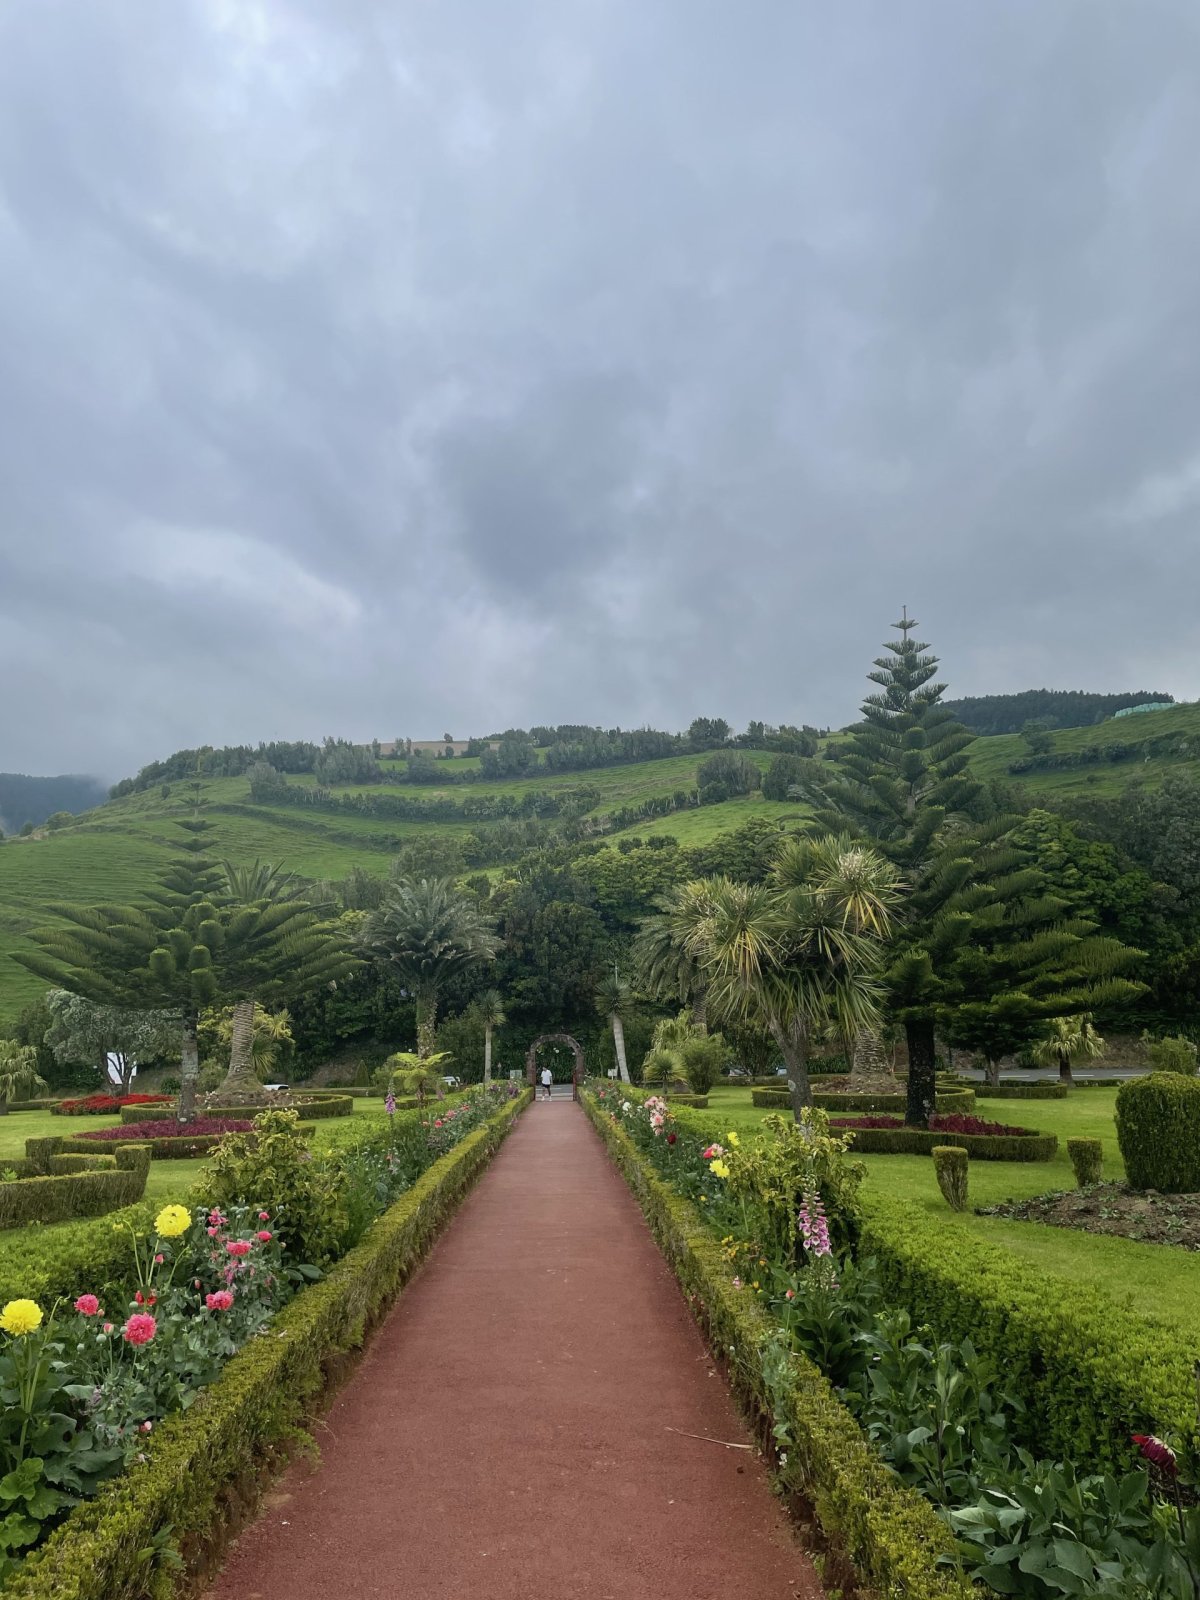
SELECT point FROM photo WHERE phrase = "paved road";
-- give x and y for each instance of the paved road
(519, 1425)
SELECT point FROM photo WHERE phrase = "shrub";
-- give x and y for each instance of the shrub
(58, 1264)
(950, 1165)
(1158, 1130)
(78, 1194)
(1172, 1054)
(1089, 1371)
(168, 1128)
(1087, 1159)
(1025, 1145)
(60, 1165)
(948, 1100)
(272, 1166)
(703, 1058)
(1022, 1091)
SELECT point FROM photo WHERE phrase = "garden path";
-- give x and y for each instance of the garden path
(519, 1425)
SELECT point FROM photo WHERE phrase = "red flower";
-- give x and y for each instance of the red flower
(140, 1329)
(1160, 1455)
(221, 1301)
(670, 1138)
(239, 1247)
(87, 1305)
(264, 1237)
(145, 1300)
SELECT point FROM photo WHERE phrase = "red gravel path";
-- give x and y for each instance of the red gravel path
(507, 1434)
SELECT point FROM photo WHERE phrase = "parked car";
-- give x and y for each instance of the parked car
(277, 1088)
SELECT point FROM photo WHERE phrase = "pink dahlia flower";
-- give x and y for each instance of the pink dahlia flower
(87, 1305)
(220, 1301)
(239, 1247)
(140, 1329)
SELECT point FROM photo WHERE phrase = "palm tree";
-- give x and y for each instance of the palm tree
(664, 1060)
(870, 886)
(613, 998)
(1065, 1039)
(19, 1076)
(667, 970)
(801, 950)
(490, 1007)
(428, 933)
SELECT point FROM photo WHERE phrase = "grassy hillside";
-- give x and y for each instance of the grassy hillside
(110, 853)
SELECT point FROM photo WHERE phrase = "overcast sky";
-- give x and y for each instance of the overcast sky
(393, 367)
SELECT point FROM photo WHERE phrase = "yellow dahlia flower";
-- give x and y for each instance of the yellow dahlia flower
(718, 1169)
(20, 1317)
(171, 1221)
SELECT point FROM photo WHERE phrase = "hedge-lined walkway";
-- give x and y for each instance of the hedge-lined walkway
(520, 1425)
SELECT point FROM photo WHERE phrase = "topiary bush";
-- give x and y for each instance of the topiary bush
(1172, 1054)
(1158, 1130)
(1087, 1160)
(950, 1164)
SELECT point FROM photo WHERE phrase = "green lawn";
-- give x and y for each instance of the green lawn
(169, 1180)
(1154, 1278)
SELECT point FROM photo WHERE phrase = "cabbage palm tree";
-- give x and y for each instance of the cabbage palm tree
(613, 999)
(428, 933)
(19, 1076)
(1067, 1039)
(799, 951)
(490, 1007)
(667, 970)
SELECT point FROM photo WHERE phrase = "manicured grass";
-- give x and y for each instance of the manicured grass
(1157, 1279)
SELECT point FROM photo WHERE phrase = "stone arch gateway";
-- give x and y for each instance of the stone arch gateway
(577, 1074)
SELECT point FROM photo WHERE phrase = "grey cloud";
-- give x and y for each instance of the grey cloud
(367, 369)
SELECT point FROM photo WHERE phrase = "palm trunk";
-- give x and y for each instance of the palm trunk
(426, 1026)
(241, 1079)
(793, 1046)
(867, 1060)
(618, 1028)
(700, 1012)
(1064, 1068)
(189, 1069)
(992, 1073)
(922, 1073)
(487, 1052)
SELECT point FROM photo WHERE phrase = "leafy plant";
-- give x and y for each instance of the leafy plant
(1087, 1160)
(950, 1166)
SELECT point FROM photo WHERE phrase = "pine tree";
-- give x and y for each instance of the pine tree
(902, 781)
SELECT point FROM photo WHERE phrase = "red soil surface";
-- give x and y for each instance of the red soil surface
(518, 1427)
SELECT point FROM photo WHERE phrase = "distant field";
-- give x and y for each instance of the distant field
(110, 853)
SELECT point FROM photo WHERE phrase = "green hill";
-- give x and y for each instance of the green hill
(109, 853)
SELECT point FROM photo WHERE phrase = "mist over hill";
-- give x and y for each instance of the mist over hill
(25, 799)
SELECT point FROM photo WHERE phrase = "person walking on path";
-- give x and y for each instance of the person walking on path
(547, 1080)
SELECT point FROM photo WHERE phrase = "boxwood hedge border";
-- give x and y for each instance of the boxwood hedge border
(948, 1100)
(891, 1535)
(202, 1464)
(1031, 1146)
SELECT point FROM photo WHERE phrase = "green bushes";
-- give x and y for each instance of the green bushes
(329, 1105)
(1023, 1091)
(1088, 1372)
(60, 1264)
(1087, 1160)
(237, 1427)
(950, 1165)
(61, 1165)
(182, 1147)
(948, 1100)
(1172, 1054)
(87, 1193)
(979, 1146)
(892, 1535)
(1158, 1131)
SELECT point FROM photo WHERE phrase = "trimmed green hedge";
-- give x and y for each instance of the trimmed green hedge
(979, 1146)
(61, 1263)
(1158, 1131)
(185, 1147)
(948, 1100)
(60, 1165)
(35, 1105)
(78, 1194)
(311, 1110)
(240, 1426)
(1023, 1091)
(1089, 1371)
(891, 1534)
(355, 1091)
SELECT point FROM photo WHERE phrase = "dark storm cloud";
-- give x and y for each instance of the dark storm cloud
(385, 369)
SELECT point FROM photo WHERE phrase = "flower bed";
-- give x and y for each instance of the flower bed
(168, 1128)
(1039, 1367)
(310, 1108)
(96, 1104)
(948, 1100)
(883, 1136)
(1116, 1210)
(208, 1283)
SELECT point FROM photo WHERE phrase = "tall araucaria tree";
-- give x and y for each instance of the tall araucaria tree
(901, 781)
(187, 947)
(428, 933)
